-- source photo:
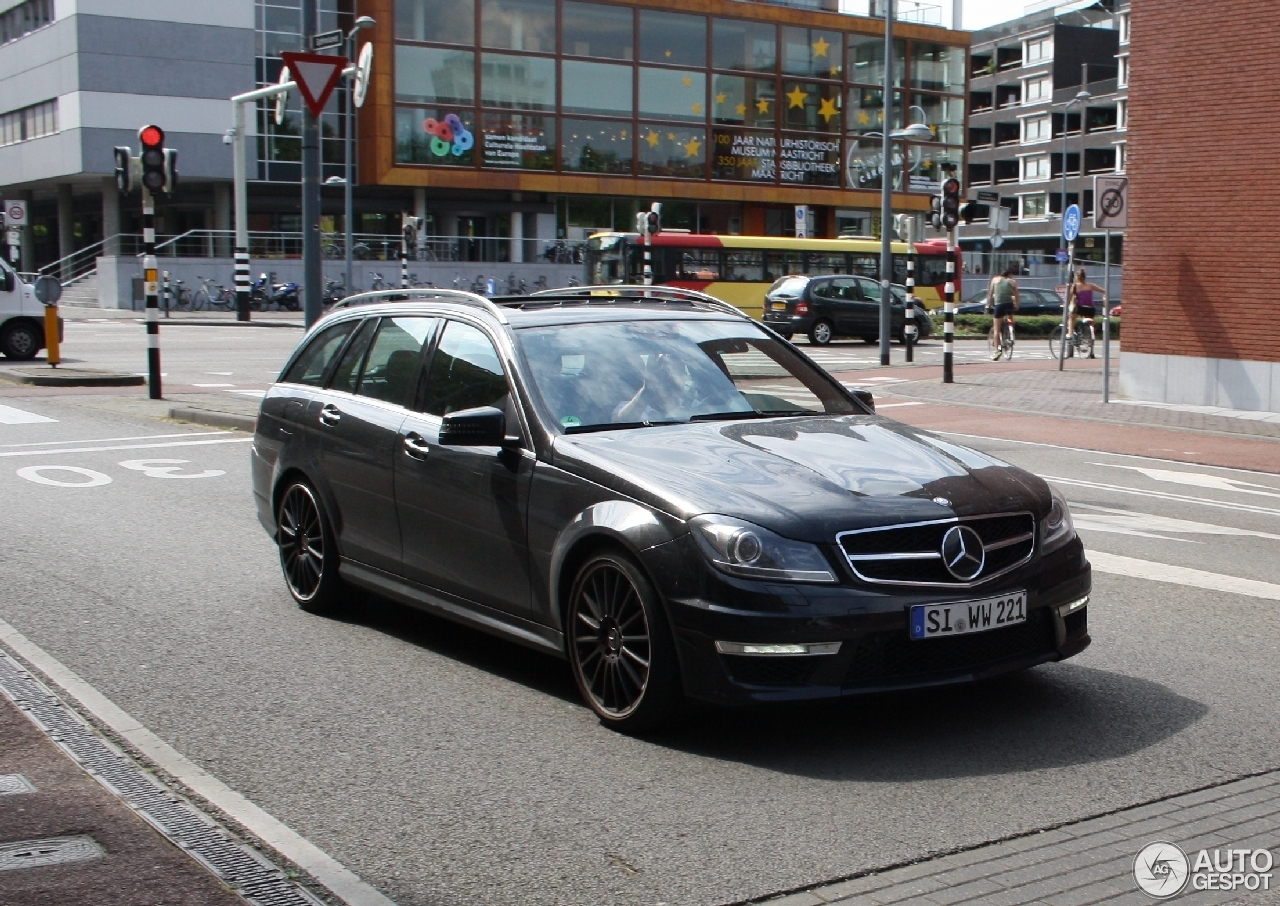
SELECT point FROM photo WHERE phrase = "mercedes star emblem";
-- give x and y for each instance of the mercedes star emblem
(962, 553)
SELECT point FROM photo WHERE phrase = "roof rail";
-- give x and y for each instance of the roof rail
(652, 293)
(423, 292)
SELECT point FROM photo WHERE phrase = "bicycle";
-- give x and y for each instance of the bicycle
(223, 299)
(377, 282)
(1079, 343)
(180, 297)
(540, 284)
(1000, 344)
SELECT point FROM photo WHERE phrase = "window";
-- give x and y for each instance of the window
(1124, 28)
(1034, 207)
(1121, 154)
(347, 376)
(945, 114)
(812, 52)
(517, 82)
(672, 151)
(673, 38)
(421, 136)
(441, 21)
(27, 123)
(749, 46)
(596, 88)
(1034, 168)
(519, 25)
(1037, 90)
(937, 67)
(392, 364)
(465, 372)
(1037, 50)
(309, 368)
(1123, 80)
(595, 146)
(679, 94)
(866, 60)
(1037, 129)
(595, 30)
(434, 75)
(24, 19)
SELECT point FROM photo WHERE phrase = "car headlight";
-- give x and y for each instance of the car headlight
(751, 552)
(1056, 529)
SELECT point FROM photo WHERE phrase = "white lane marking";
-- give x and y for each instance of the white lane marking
(108, 440)
(1039, 443)
(11, 416)
(1156, 495)
(166, 468)
(880, 406)
(178, 443)
(257, 394)
(1147, 525)
(323, 867)
(1198, 480)
(1181, 575)
(148, 374)
(36, 474)
(221, 373)
(213, 385)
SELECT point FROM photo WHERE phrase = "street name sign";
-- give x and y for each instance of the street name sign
(1111, 209)
(1071, 223)
(986, 196)
(327, 39)
(316, 75)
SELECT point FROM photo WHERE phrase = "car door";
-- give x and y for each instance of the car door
(358, 416)
(463, 509)
(869, 307)
(828, 304)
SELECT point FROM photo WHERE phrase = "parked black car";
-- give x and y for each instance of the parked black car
(649, 484)
(1031, 302)
(824, 308)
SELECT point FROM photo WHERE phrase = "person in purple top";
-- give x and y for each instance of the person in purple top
(1080, 298)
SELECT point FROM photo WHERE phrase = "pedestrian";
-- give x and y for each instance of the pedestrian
(1080, 302)
(1002, 300)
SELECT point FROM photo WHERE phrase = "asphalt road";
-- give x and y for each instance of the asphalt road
(446, 767)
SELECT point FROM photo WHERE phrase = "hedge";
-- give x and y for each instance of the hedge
(1030, 326)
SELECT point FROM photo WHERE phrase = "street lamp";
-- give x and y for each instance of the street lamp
(360, 24)
(1082, 96)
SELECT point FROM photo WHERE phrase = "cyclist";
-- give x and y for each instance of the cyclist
(1003, 300)
(1080, 298)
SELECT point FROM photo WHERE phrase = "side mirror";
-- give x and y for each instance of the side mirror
(484, 426)
(7, 281)
(865, 397)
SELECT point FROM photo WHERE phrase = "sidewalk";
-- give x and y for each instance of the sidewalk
(184, 318)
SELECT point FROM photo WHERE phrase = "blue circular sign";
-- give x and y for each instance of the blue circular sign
(1071, 223)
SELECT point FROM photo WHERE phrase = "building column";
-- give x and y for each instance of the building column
(222, 218)
(517, 237)
(110, 218)
(66, 221)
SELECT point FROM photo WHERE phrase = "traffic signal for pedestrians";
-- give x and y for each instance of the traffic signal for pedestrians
(170, 171)
(653, 221)
(950, 202)
(124, 168)
(412, 227)
(153, 158)
(935, 212)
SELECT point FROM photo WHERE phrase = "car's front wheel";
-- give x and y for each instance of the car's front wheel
(308, 554)
(620, 648)
(820, 333)
(20, 342)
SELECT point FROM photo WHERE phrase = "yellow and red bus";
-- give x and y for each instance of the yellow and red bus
(740, 269)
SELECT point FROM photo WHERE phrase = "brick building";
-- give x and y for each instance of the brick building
(1200, 324)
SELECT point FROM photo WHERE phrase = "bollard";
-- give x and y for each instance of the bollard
(52, 340)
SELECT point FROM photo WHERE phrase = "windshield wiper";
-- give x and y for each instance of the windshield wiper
(617, 426)
(751, 413)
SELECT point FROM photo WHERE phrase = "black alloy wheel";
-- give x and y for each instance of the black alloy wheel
(619, 646)
(821, 333)
(308, 554)
(21, 342)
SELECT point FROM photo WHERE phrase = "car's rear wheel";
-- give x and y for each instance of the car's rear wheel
(820, 333)
(620, 648)
(308, 554)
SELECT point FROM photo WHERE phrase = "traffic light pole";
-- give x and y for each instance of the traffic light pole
(949, 310)
(150, 279)
(312, 273)
(908, 310)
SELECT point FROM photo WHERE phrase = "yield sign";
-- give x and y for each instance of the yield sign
(316, 75)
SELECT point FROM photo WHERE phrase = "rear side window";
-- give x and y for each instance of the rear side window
(310, 367)
(465, 372)
(391, 367)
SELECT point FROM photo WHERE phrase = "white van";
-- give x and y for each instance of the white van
(21, 317)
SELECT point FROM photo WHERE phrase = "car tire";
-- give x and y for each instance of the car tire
(821, 333)
(308, 552)
(619, 645)
(21, 342)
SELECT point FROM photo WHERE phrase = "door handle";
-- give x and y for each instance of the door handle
(416, 446)
(330, 414)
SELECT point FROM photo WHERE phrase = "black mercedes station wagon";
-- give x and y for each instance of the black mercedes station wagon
(648, 483)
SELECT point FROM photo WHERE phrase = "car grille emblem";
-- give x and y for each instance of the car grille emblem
(962, 552)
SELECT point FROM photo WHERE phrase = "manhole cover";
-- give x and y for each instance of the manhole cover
(15, 783)
(49, 851)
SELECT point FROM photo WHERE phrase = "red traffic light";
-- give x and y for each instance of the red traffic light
(151, 136)
(951, 187)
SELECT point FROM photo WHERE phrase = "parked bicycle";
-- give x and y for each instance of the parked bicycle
(219, 298)
(540, 283)
(377, 282)
(1080, 342)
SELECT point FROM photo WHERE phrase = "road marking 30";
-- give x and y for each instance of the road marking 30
(36, 474)
(167, 468)
(1157, 495)
(13, 416)
(176, 443)
(108, 440)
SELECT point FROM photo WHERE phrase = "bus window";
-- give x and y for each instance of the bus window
(699, 264)
(780, 264)
(931, 270)
(744, 265)
(865, 265)
(826, 263)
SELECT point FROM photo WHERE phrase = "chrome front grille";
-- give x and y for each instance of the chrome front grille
(911, 554)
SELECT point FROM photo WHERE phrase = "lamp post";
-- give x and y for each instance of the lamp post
(360, 24)
(1082, 96)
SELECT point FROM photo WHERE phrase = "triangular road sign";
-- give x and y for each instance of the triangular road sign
(316, 75)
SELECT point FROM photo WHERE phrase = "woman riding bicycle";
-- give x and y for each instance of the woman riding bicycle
(1003, 299)
(1080, 298)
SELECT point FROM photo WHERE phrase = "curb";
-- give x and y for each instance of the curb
(72, 378)
(228, 420)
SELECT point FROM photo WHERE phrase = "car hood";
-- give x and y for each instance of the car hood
(805, 478)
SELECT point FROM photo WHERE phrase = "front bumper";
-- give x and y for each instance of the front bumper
(870, 623)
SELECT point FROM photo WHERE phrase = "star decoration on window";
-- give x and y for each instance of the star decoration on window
(797, 97)
(696, 108)
(622, 134)
(653, 138)
(742, 109)
(671, 136)
(820, 47)
(827, 109)
(688, 82)
(692, 147)
(762, 105)
(721, 98)
(667, 54)
(863, 118)
(835, 72)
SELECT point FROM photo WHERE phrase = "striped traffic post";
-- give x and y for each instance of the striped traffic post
(949, 309)
(242, 283)
(404, 264)
(167, 295)
(908, 311)
(151, 281)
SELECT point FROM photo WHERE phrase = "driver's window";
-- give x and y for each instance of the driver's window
(391, 368)
(466, 372)
(8, 282)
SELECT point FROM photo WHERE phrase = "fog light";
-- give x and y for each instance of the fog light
(1073, 606)
(767, 650)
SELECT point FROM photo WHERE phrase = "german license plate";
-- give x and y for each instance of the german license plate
(931, 621)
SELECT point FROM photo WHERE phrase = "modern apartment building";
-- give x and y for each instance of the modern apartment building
(1034, 135)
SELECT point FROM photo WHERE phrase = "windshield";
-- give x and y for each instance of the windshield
(788, 286)
(622, 374)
